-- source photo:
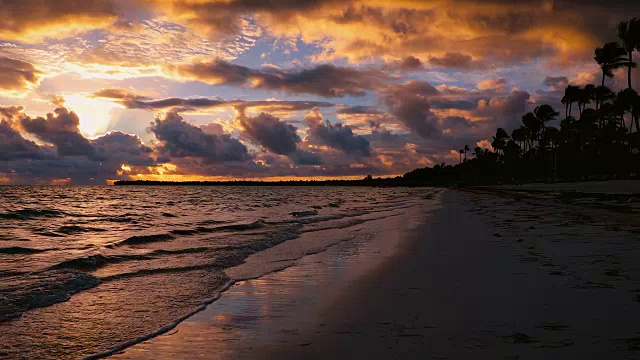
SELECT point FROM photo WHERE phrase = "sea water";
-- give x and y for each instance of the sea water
(84, 269)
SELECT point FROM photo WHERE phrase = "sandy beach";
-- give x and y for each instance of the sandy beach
(484, 276)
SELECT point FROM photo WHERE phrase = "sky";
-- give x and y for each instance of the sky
(266, 89)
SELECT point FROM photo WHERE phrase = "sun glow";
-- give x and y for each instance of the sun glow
(94, 114)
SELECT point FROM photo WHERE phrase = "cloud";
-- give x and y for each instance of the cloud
(557, 83)
(324, 80)
(35, 20)
(119, 148)
(408, 102)
(60, 128)
(454, 60)
(337, 136)
(303, 157)
(494, 86)
(13, 146)
(70, 155)
(504, 111)
(17, 76)
(276, 136)
(180, 139)
(135, 101)
(270, 132)
(360, 110)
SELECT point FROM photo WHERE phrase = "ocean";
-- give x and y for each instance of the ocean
(86, 269)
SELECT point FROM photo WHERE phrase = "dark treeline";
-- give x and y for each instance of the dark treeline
(367, 181)
(598, 135)
(598, 138)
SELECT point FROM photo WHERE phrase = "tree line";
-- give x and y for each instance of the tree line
(598, 135)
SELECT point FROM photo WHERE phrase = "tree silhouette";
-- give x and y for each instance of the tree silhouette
(571, 95)
(629, 34)
(610, 57)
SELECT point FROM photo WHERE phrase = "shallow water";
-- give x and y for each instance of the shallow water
(84, 269)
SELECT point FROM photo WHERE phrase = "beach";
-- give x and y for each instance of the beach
(483, 275)
(88, 271)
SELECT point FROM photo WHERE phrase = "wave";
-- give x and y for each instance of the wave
(41, 290)
(304, 213)
(234, 227)
(75, 229)
(21, 250)
(215, 296)
(144, 239)
(94, 262)
(29, 214)
(196, 250)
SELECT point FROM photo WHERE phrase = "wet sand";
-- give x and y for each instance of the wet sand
(486, 276)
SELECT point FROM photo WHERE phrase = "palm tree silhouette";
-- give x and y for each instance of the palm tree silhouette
(584, 97)
(499, 140)
(520, 135)
(610, 57)
(466, 148)
(571, 95)
(629, 34)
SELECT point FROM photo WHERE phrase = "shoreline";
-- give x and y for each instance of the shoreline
(494, 289)
(369, 246)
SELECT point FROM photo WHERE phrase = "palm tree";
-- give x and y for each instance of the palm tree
(466, 148)
(629, 34)
(545, 113)
(625, 102)
(533, 126)
(601, 94)
(499, 140)
(585, 96)
(610, 57)
(520, 136)
(461, 151)
(571, 95)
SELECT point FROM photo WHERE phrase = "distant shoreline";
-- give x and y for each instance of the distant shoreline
(365, 182)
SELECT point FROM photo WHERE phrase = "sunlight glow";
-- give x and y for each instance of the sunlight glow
(94, 113)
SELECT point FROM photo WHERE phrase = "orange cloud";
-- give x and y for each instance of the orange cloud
(32, 21)
(16, 76)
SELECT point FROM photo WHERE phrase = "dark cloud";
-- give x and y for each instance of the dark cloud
(118, 94)
(270, 132)
(455, 61)
(462, 104)
(556, 83)
(13, 146)
(337, 136)
(60, 128)
(71, 156)
(182, 140)
(455, 125)
(408, 63)
(134, 101)
(504, 111)
(409, 104)
(118, 148)
(323, 80)
(303, 157)
(360, 110)
(276, 136)
(17, 75)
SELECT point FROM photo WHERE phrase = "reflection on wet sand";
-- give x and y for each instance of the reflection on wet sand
(259, 311)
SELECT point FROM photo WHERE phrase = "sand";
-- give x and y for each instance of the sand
(588, 187)
(486, 276)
